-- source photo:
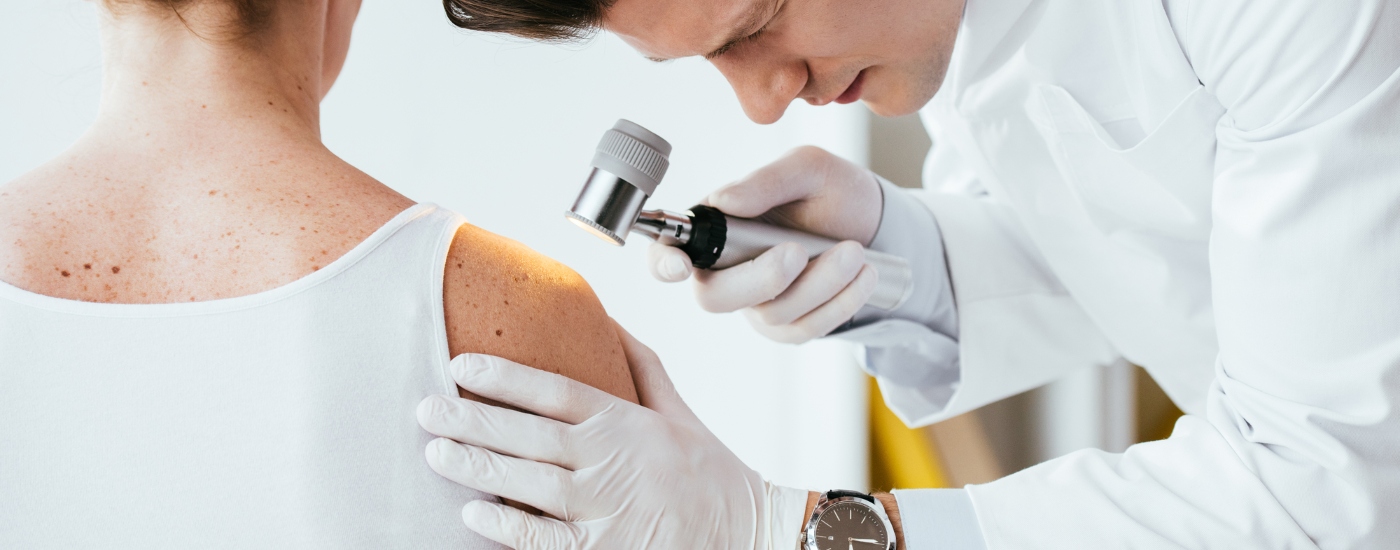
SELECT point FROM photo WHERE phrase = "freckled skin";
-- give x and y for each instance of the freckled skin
(87, 215)
(219, 186)
(504, 299)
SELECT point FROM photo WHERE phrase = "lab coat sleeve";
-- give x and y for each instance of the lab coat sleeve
(1299, 446)
(938, 519)
(1014, 327)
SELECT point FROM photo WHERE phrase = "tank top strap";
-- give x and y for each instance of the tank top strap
(406, 269)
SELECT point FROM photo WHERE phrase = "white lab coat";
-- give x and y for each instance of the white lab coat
(1209, 189)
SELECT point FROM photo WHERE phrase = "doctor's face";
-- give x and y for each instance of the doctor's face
(892, 54)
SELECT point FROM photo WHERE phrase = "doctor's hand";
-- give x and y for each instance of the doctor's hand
(611, 473)
(783, 295)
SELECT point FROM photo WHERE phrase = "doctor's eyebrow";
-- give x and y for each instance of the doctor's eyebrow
(758, 15)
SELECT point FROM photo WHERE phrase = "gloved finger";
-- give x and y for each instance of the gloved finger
(517, 529)
(752, 282)
(543, 393)
(824, 278)
(501, 430)
(667, 263)
(793, 177)
(654, 387)
(544, 486)
(821, 321)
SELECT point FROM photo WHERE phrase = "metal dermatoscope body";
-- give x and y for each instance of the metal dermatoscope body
(628, 165)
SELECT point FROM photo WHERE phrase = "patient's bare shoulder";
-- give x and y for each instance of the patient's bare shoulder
(504, 299)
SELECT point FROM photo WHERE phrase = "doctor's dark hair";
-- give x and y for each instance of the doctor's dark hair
(547, 20)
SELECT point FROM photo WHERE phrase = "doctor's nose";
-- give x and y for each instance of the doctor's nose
(764, 88)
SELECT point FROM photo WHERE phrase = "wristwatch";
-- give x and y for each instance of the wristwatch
(848, 520)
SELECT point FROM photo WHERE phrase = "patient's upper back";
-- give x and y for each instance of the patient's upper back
(100, 224)
(247, 360)
(283, 418)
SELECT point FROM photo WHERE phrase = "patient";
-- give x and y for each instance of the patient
(215, 333)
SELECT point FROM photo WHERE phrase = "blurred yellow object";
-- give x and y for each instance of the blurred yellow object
(1156, 414)
(900, 457)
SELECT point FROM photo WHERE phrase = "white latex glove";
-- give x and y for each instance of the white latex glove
(614, 474)
(784, 296)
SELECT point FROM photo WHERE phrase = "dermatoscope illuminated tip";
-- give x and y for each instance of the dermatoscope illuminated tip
(597, 230)
(627, 166)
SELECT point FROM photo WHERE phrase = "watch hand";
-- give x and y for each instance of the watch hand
(869, 541)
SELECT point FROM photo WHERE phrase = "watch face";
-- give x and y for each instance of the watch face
(851, 526)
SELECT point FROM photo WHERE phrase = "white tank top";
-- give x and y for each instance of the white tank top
(283, 419)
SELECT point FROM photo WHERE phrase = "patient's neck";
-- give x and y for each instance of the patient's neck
(167, 88)
(204, 176)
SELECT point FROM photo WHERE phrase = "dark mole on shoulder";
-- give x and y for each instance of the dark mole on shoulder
(499, 332)
(87, 266)
(116, 269)
(64, 273)
(507, 302)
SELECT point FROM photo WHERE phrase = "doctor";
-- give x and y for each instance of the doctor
(1207, 188)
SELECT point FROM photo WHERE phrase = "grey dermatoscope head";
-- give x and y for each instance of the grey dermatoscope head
(628, 165)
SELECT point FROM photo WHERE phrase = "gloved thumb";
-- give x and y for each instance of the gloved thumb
(667, 263)
(654, 386)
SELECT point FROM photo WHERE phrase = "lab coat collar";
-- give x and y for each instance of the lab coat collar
(986, 26)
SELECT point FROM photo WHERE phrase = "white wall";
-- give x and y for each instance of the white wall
(502, 131)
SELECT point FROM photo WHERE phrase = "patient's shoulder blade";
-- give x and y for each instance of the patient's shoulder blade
(502, 298)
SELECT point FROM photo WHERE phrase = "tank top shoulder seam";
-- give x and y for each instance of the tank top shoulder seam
(439, 299)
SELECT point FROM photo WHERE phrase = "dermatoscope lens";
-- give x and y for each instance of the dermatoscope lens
(627, 166)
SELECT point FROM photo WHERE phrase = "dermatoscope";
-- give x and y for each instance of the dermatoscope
(628, 166)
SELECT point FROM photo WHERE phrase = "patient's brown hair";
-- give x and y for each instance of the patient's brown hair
(550, 20)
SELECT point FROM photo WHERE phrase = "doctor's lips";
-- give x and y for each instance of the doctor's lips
(850, 95)
(852, 92)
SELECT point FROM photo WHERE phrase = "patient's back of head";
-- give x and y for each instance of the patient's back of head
(215, 331)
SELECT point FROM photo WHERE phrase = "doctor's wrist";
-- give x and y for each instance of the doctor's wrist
(909, 230)
(892, 510)
(886, 499)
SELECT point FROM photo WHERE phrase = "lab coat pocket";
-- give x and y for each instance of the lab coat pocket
(1160, 185)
